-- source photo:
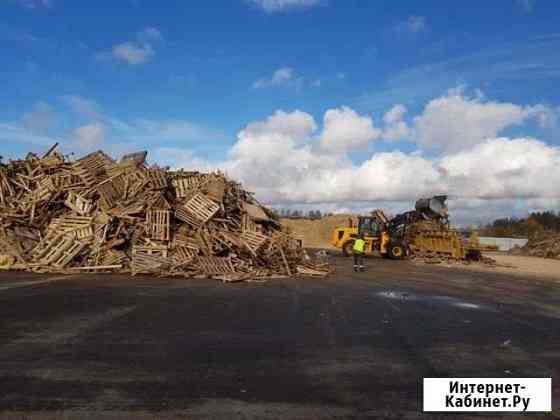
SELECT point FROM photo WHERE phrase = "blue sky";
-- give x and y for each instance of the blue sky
(183, 79)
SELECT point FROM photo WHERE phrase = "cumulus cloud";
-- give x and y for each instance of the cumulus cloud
(395, 127)
(275, 6)
(504, 168)
(135, 52)
(296, 125)
(283, 76)
(456, 121)
(282, 160)
(345, 130)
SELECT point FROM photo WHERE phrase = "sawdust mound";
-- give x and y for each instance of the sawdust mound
(316, 233)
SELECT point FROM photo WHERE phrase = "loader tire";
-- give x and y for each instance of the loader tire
(396, 251)
(347, 248)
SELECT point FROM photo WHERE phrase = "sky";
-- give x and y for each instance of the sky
(338, 105)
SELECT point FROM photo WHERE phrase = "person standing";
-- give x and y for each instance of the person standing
(358, 251)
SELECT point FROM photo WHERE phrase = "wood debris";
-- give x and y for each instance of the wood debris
(97, 214)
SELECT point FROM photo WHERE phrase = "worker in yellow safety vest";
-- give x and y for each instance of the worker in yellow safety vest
(358, 250)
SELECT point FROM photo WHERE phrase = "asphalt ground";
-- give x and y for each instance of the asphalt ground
(354, 345)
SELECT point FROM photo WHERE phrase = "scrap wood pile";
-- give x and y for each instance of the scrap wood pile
(546, 245)
(96, 214)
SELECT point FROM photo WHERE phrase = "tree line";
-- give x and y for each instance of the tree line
(300, 214)
(533, 225)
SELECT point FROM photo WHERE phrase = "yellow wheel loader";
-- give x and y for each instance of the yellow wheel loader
(423, 232)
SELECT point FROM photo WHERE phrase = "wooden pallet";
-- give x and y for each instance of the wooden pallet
(60, 252)
(158, 201)
(248, 223)
(66, 224)
(183, 240)
(185, 187)
(45, 189)
(80, 205)
(254, 240)
(65, 181)
(92, 168)
(158, 224)
(197, 211)
(157, 178)
(157, 251)
(215, 265)
(183, 255)
(96, 162)
(110, 191)
(145, 260)
(113, 257)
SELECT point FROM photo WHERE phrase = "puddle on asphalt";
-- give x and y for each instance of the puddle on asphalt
(444, 300)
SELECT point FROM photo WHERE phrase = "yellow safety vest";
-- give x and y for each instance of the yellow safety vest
(359, 246)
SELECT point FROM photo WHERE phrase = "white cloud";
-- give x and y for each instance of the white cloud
(40, 120)
(456, 121)
(283, 76)
(279, 160)
(83, 107)
(296, 125)
(412, 25)
(87, 137)
(395, 127)
(504, 168)
(133, 53)
(345, 130)
(275, 6)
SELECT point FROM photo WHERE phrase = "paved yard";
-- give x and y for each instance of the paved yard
(350, 345)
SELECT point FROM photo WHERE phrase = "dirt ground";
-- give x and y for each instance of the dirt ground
(515, 266)
(354, 345)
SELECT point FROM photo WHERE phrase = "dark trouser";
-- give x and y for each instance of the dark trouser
(358, 260)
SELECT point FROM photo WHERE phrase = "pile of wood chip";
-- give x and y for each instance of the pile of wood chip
(546, 245)
(96, 214)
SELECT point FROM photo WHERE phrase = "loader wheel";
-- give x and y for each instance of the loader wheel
(347, 248)
(396, 251)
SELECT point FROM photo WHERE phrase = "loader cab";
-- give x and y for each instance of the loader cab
(369, 227)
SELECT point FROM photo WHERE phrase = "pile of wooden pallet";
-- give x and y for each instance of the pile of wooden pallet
(96, 214)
